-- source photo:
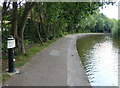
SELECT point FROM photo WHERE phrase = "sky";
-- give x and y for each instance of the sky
(110, 11)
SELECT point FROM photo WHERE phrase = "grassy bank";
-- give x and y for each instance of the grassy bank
(22, 59)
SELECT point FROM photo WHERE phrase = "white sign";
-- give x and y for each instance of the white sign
(11, 43)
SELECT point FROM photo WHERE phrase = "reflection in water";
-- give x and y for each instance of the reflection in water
(100, 59)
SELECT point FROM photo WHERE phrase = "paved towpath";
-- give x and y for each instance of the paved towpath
(56, 65)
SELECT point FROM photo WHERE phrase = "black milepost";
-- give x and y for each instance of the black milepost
(10, 59)
(10, 46)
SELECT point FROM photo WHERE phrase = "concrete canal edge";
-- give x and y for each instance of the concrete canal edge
(76, 71)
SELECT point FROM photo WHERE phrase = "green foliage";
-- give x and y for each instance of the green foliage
(116, 28)
(30, 33)
(5, 35)
(5, 77)
(100, 25)
(97, 23)
(50, 20)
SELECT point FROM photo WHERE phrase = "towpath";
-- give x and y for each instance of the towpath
(56, 65)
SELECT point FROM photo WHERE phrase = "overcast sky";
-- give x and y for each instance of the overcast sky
(110, 11)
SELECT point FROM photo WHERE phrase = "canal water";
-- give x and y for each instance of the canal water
(99, 55)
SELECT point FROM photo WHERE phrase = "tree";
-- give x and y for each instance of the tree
(50, 20)
(116, 28)
(19, 26)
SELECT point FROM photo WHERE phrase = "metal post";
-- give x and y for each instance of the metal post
(10, 60)
(10, 46)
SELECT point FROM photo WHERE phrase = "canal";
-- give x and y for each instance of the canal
(99, 56)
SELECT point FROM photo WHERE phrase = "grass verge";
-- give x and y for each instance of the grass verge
(5, 77)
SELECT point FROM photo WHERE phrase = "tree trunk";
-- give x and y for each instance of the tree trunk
(54, 28)
(39, 33)
(37, 28)
(14, 24)
(14, 20)
(28, 8)
(42, 27)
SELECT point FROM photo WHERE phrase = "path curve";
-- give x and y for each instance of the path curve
(56, 65)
